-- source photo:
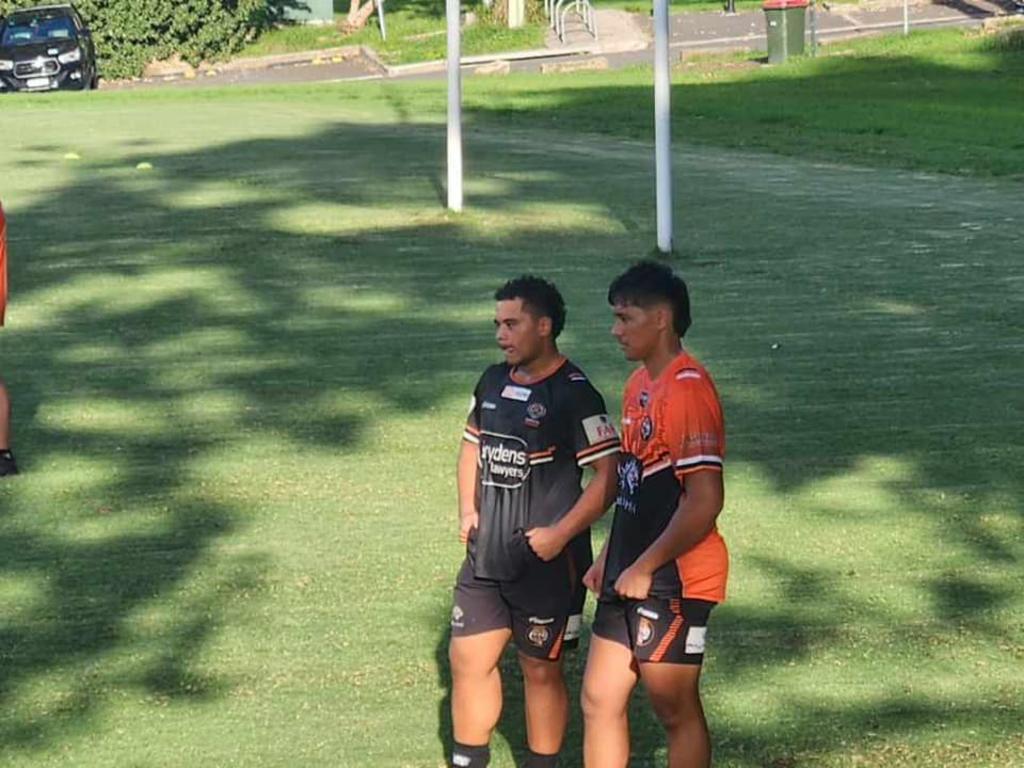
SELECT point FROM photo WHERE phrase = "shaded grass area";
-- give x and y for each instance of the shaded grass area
(948, 101)
(944, 101)
(239, 380)
(415, 32)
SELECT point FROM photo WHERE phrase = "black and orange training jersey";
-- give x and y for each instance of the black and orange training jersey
(535, 439)
(3, 265)
(671, 427)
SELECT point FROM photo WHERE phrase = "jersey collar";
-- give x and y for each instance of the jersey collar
(513, 373)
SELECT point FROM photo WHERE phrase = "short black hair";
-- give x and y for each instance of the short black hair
(647, 283)
(540, 298)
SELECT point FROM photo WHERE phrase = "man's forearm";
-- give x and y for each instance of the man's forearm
(594, 501)
(693, 519)
(467, 478)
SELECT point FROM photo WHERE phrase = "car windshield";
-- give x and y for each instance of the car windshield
(28, 30)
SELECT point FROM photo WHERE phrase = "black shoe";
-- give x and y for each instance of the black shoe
(8, 466)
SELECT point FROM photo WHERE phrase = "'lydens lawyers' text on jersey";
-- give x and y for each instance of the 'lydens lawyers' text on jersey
(534, 441)
(671, 427)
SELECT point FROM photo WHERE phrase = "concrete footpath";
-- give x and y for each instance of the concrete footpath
(718, 31)
(624, 39)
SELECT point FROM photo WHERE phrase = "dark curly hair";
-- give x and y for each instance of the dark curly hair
(540, 298)
(647, 283)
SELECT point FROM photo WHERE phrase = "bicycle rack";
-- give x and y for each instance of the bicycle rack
(582, 8)
(557, 10)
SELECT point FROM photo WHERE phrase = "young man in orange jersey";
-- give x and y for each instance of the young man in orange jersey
(664, 566)
(7, 463)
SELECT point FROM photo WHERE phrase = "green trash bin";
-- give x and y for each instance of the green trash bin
(785, 19)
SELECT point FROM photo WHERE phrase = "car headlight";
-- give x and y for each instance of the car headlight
(70, 57)
(6, 65)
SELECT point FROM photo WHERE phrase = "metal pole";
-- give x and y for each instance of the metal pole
(814, 28)
(453, 11)
(906, 17)
(662, 126)
(380, 20)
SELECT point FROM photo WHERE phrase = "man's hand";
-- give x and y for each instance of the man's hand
(634, 583)
(546, 542)
(466, 525)
(594, 577)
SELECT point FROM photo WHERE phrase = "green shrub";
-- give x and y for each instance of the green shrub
(131, 33)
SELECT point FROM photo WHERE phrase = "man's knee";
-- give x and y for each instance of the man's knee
(465, 663)
(541, 671)
(597, 704)
(677, 709)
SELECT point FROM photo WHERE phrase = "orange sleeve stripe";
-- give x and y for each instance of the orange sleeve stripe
(702, 468)
(598, 447)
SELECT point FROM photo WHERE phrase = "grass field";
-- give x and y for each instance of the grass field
(416, 32)
(239, 380)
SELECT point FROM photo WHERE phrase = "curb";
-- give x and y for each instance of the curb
(850, 31)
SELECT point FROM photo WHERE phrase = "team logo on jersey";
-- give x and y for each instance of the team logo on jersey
(644, 632)
(646, 428)
(457, 616)
(538, 635)
(645, 398)
(630, 472)
(536, 411)
(503, 460)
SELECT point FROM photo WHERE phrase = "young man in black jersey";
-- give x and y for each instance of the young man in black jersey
(535, 423)
(7, 464)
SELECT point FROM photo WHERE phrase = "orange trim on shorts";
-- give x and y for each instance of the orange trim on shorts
(557, 647)
(666, 641)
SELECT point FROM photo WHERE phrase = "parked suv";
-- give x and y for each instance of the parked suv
(46, 49)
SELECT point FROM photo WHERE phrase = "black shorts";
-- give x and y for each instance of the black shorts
(656, 630)
(543, 608)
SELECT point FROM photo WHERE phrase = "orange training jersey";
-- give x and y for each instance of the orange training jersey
(3, 265)
(671, 427)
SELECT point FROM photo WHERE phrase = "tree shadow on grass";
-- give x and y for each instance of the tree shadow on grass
(277, 295)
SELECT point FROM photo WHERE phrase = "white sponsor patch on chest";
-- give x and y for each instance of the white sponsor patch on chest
(512, 392)
(599, 428)
(695, 639)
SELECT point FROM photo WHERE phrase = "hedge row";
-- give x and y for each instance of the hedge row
(131, 33)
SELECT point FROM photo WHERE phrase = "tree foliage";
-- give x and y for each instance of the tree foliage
(131, 33)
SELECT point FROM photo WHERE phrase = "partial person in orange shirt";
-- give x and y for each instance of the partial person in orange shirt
(7, 463)
(664, 565)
